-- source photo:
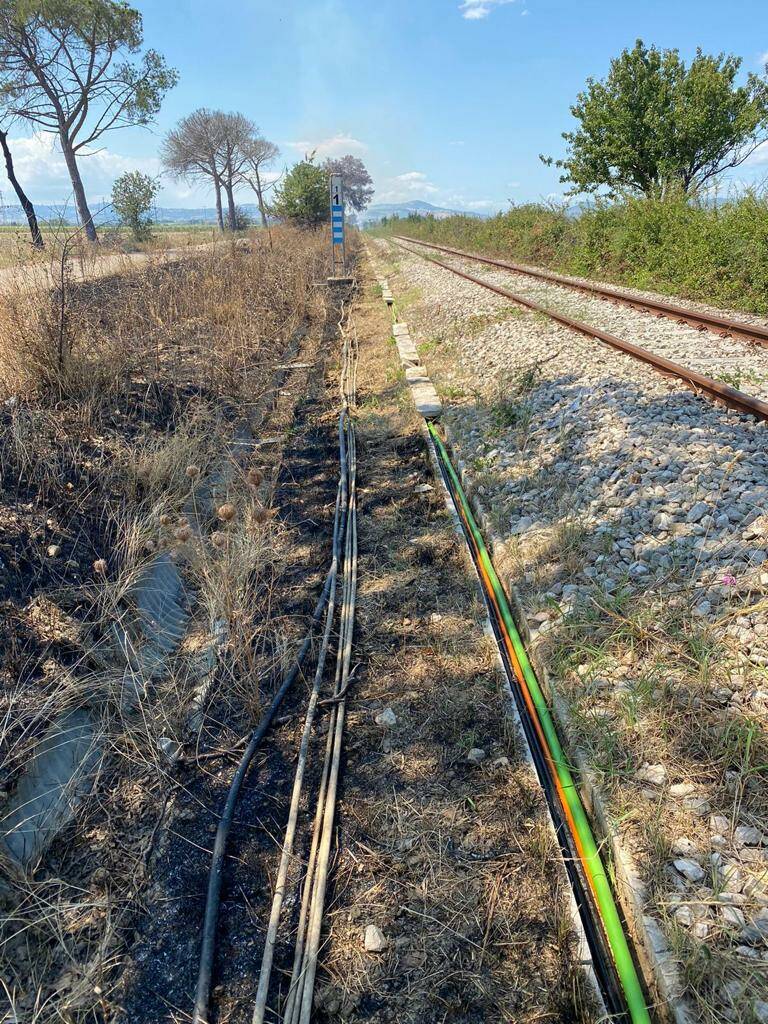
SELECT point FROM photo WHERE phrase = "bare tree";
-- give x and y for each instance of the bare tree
(61, 69)
(358, 184)
(225, 148)
(236, 133)
(259, 154)
(192, 152)
(24, 200)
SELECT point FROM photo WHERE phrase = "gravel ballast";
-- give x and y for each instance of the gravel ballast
(632, 518)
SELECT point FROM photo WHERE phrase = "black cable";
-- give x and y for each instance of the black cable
(208, 947)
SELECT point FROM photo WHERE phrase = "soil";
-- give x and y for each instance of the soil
(454, 861)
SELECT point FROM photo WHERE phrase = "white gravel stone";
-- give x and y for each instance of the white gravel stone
(690, 869)
(375, 941)
(655, 774)
(386, 718)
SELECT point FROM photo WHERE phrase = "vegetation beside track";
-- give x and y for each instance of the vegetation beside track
(121, 398)
(715, 253)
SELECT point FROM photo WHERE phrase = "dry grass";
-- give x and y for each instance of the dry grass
(122, 398)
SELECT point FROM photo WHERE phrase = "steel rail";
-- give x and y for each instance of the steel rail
(698, 382)
(701, 321)
(615, 967)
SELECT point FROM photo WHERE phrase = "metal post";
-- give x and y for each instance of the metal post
(338, 245)
(338, 234)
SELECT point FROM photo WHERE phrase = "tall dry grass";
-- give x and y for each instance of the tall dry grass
(119, 398)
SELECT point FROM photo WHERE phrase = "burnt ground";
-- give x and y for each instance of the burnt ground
(453, 861)
(160, 980)
(57, 495)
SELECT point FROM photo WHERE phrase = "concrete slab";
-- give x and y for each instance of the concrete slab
(60, 773)
(427, 401)
(416, 375)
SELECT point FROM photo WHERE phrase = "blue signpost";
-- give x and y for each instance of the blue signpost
(338, 233)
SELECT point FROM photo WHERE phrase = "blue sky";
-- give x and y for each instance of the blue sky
(450, 101)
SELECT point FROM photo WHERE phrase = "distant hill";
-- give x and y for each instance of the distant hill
(65, 214)
(61, 214)
(380, 210)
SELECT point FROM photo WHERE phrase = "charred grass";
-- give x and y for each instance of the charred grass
(122, 398)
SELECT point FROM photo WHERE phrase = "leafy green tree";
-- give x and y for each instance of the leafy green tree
(303, 196)
(133, 194)
(65, 67)
(655, 124)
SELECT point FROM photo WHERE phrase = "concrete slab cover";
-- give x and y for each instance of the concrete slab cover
(61, 772)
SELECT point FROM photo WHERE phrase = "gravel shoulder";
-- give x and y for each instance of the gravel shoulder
(444, 843)
(631, 518)
(737, 363)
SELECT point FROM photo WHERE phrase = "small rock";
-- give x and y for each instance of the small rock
(655, 774)
(375, 940)
(684, 847)
(54, 550)
(690, 869)
(476, 755)
(732, 916)
(719, 824)
(423, 489)
(698, 805)
(682, 789)
(747, 835)
(169, 748)
(684, 916)
(386, 718)
(500, 763)
(697, 511)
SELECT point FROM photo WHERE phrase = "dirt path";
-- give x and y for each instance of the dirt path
(448, 861)
(451, 860)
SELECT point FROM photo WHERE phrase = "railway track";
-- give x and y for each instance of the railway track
(304, 885)
(698, 382)
(702, 321)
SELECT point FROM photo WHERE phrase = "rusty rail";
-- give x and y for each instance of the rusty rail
(699, 383)
(721, 325)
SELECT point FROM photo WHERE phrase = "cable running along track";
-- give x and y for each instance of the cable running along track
(702, 321)
(698, 382)
(615, 969)
(299, 1004)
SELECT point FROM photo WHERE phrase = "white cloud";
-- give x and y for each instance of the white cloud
(416, 185)
(760, 155)
(474, 10)
(337, 145)
(762, 60)
(43, 174)
(41, 169)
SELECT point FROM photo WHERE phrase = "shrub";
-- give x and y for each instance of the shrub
(713, 250)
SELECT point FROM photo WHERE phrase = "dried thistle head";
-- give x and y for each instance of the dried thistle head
(165, 519)
(254, 477)
(182, 534)
(226, 512)
(100, 567)
(219, 539)
(192, 472)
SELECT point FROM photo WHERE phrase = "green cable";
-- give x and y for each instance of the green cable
(614, 931)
